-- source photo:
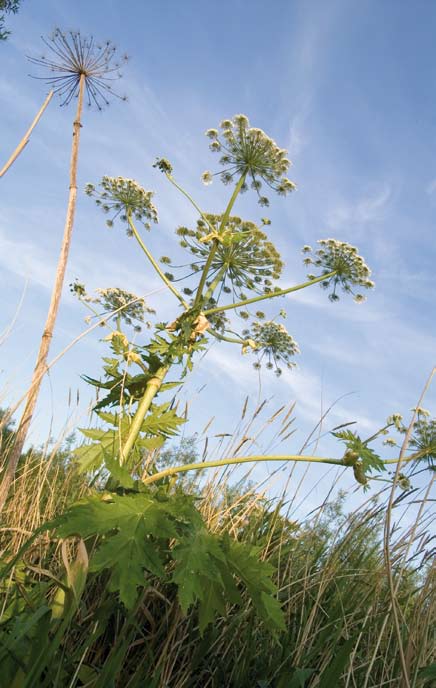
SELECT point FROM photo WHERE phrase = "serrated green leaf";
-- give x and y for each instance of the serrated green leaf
(120, 473)
(256, 575)
(89, 457)
(370, 461)
(213, 601)
(196, 562)
(127, 554)
(111, 418)
(151, 442)
(270, 610)
(132, 529)
(162, 421)
(93, 433)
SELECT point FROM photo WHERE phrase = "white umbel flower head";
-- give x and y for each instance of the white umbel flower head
(349, 267)
(248, 150)
(123, 198)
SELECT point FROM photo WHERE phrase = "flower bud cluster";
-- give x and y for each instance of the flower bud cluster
(124, 197)
(273, 342)
(249, 151)
(350, 268)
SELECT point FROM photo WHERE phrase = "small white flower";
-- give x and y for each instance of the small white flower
(207, 178)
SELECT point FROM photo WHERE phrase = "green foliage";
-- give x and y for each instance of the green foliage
(207, 593)
(135, 531)
(7, 7)
(161, 423)
(362, 458)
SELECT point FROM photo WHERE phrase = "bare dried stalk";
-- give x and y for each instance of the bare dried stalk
(41, 362)
(25, 140)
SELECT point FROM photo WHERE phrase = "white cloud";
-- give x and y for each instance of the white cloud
(369, 208)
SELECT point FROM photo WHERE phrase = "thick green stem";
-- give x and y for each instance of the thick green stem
(280, 292)
(154, 263)
(198, 466)
(215, 283)
(407, 459)
(223, 338)
(243, 459)
(213, 250)
(152, 388)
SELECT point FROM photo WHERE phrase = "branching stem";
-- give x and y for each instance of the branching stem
(154, 263)
(263, 297)
(214, 247)
(198, 466)
(190, 199)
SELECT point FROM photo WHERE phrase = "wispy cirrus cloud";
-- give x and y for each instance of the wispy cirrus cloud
(367, 209)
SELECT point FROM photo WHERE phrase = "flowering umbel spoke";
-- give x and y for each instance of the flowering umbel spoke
(130, 309)
(343, 259)
(244, 258)
(249, 151)
(424, 436)
(72, 55)
(123, 197)
(272, 341)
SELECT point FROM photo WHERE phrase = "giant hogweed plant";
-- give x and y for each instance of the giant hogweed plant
(141, 525)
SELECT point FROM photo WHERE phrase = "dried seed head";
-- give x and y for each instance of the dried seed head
(72, 56)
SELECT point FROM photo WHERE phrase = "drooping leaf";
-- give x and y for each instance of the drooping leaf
(256, 575)
(196, 563)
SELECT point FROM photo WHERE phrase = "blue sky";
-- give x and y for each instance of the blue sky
(348, 88)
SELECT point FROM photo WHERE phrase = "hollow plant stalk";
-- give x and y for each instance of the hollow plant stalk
(201, 465)
(214, 248)
(41, 361)
(151, 389)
